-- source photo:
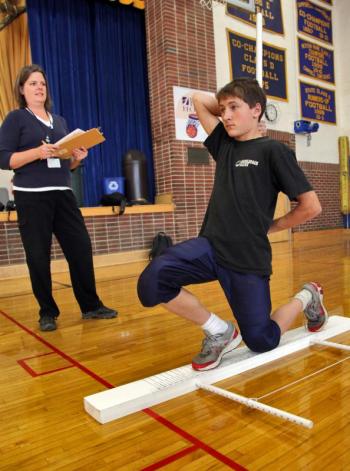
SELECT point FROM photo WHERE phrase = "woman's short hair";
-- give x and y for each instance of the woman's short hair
(21, 79)
(247, 89)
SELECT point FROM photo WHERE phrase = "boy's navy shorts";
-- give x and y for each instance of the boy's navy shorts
(192, 262)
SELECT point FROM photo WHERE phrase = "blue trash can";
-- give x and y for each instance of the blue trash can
(113, 184)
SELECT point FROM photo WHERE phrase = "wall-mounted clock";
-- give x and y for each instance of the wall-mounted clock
(271, 112)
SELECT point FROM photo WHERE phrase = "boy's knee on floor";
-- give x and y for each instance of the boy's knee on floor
(261, 339)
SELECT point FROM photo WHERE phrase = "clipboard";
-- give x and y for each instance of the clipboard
(78, 138)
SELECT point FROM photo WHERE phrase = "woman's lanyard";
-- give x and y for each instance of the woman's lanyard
(52, 162)
(48, 128)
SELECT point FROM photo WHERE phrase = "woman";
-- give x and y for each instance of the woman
(44, 200)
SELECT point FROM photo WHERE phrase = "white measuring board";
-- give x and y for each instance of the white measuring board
(118, 402)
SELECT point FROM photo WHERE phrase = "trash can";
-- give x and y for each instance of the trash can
(135, 172)
(113, 184)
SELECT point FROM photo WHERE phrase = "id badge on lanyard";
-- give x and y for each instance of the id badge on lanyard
(52, 162)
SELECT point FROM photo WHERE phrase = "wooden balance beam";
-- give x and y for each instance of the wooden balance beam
(118, 402)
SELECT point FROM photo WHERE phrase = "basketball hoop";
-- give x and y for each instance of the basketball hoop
(209, 3)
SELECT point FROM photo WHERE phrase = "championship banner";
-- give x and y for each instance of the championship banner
(243, 64)
(270, 9)
(315, 21)
(316, 61)
(329, 2)
(317, 103)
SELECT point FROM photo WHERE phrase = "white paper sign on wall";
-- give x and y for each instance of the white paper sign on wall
(187, 125)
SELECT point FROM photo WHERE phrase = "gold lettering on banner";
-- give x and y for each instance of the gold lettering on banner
(266, 12)
(249, 58)
(318, 57)
(312, 24)
(318, 100)
(135, 3)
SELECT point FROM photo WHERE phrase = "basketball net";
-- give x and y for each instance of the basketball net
(209, 3)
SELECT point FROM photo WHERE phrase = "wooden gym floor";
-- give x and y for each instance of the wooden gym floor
(45, 376)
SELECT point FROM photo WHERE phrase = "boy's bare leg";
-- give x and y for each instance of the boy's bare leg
(221, 336)
(186, 305)
(189, 307)
(309, 300)
(285, 315)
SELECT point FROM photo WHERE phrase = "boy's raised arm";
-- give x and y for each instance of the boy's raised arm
(207, 110)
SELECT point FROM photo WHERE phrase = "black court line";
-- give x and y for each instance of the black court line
(63, 286)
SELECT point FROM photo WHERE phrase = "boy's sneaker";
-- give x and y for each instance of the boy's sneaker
(214, 347)
(315, 312)
(102, 312)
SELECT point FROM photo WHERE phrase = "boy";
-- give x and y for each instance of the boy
(233, 246)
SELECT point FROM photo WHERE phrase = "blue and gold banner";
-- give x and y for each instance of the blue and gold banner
(243, 64)
(317, 103)
(271, 11)
(315, 21)
(316, 61)
(329, 2)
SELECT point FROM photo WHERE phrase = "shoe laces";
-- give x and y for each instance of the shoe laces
(210, 340)
(313, 310)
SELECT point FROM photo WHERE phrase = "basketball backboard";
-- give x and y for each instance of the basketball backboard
(244, 4)
(248, 5)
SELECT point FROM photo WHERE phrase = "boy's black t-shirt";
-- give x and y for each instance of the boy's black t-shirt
(248, 177)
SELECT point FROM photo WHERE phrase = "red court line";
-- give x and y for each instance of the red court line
(59, 352)
(28, 369)
(33, 373)
(170, 459)
(38, 356)
(198, 443)
(162, 420)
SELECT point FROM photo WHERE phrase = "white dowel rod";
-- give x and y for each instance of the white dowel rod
(259, 48)
(330, 344)
(257, 405)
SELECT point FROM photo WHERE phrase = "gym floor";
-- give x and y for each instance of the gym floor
(45, 377)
